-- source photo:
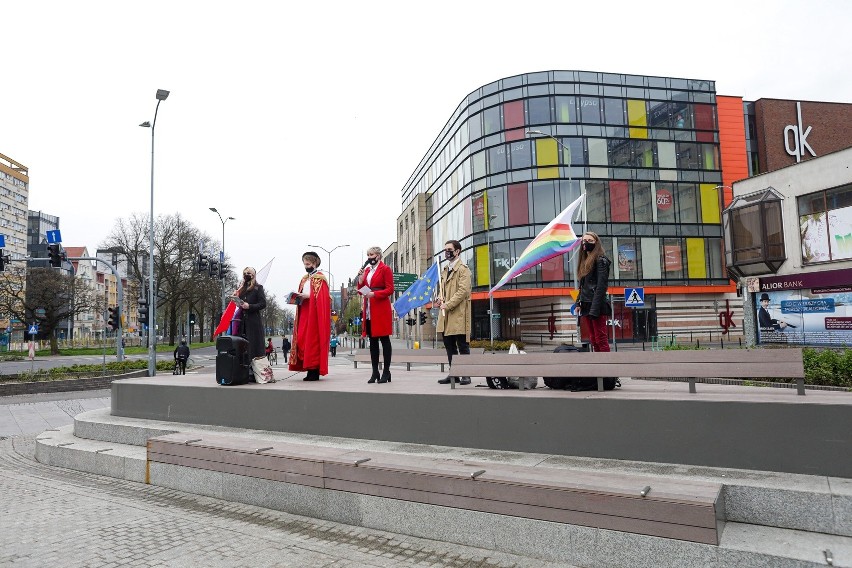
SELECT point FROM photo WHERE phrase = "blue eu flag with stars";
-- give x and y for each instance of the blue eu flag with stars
(419, 293)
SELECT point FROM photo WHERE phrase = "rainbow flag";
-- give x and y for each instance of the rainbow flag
(555, 239)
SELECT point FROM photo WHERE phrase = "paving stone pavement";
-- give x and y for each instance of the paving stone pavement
(56, 517)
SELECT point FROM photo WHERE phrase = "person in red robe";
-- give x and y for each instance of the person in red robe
(376, 311)
(312, 326)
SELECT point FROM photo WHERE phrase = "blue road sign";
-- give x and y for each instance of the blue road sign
(357, 321)
(33, 330)
(2, 241)
(54, 237)
(634, 297)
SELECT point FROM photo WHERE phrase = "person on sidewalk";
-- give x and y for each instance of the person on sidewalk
(181, 355)
(453, 305)
(593, 276)
(312, 326)
(285, 348)
(333, 346)
(376, 311)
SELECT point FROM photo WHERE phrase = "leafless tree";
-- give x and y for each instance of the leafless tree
(50, 297)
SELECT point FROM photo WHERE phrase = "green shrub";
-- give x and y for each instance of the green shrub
(502, 345)
(680, 347)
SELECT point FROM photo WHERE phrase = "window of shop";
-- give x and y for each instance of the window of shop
(520, 155)
(519, 209)
(566, 110)
(825, 219)
(590, 110)
(497, 159)
(491, 120)
(538, 111)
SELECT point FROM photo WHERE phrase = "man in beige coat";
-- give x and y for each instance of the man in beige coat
(454, 306)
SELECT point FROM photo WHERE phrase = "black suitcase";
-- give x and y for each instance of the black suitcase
(578, 383)
(232, 360)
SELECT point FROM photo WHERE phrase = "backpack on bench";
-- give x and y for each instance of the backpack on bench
(578, 383)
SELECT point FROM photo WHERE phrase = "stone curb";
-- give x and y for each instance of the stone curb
(66, 385)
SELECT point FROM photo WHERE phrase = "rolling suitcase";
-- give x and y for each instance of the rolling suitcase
(232, 360)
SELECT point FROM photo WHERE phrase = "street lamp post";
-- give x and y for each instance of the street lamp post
(490, 269)
(564, 147)
(329, 266)
(152, 352)
(222, 253)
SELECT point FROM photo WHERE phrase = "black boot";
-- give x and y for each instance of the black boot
(374, 377)
(313, 375)
(386, 376)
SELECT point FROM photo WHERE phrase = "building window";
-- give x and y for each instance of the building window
(825, 221)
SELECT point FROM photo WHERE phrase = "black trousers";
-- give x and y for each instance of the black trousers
(374, 349)
(456, 345)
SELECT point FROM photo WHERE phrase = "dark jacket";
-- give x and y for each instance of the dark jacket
(285, 345)
(181, 352)
(593, 287)
(251, 326)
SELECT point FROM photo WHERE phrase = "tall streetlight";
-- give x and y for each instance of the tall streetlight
(490, 269)
(329, 265)
(222, 253)
(152, 351)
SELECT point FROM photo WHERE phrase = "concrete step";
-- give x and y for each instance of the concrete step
(742, 545)
(790, 501)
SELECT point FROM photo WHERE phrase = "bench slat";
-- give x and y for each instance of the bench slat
(653, 370)
(652, 528)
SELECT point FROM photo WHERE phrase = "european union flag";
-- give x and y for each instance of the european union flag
(419, 293)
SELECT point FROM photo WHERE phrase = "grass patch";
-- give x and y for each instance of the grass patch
(161, 348)
(502, 345)
(84, 371)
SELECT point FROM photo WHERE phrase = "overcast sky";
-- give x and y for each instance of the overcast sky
(303, 120)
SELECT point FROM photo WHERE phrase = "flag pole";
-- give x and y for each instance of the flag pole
(441, 289)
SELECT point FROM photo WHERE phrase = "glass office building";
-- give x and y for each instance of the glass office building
(645, 152)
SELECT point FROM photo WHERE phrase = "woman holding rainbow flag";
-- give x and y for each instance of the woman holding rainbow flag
(593, 276)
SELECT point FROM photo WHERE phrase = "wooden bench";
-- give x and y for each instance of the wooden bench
(691, 365)
(678, 509)
(409, 356)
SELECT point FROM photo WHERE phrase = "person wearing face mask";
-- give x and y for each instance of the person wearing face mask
(454, 306)
(376, 311)
(593, 277)
(312, 325)
(252, 301)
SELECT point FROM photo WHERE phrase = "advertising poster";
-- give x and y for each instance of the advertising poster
(814, 232)
(817, 316)
(840, 233)
(673, 258)
(627, 260)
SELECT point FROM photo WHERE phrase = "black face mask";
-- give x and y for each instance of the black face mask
(449, 255)
(309, 269)
(247, 277)
(589, 247)
(373, 261)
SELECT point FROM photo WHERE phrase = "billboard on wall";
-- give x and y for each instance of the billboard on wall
(806, 309)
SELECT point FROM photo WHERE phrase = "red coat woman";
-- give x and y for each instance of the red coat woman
(376, 311)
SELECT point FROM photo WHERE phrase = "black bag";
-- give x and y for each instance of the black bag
(578, 383)
(232, 360)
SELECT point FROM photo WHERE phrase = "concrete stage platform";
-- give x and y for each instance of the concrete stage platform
(767, 429)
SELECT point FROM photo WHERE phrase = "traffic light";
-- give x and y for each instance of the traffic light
(191, 319)
(223, 271)
(214, 268)
(114, 320)
(350, 321)
(410, 321)
(202, 262)
(4, 260)
(422, 318)
(55, 256)
(143, 310)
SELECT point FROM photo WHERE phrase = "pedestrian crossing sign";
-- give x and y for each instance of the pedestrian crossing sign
(33, 330)
(634, 297)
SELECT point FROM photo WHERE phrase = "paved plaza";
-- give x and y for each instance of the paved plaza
(56, 517)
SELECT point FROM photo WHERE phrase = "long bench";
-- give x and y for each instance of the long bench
(678, 509)
(759, 364)
(411, 356)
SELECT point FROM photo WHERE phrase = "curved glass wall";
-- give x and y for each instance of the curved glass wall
(643, 150)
